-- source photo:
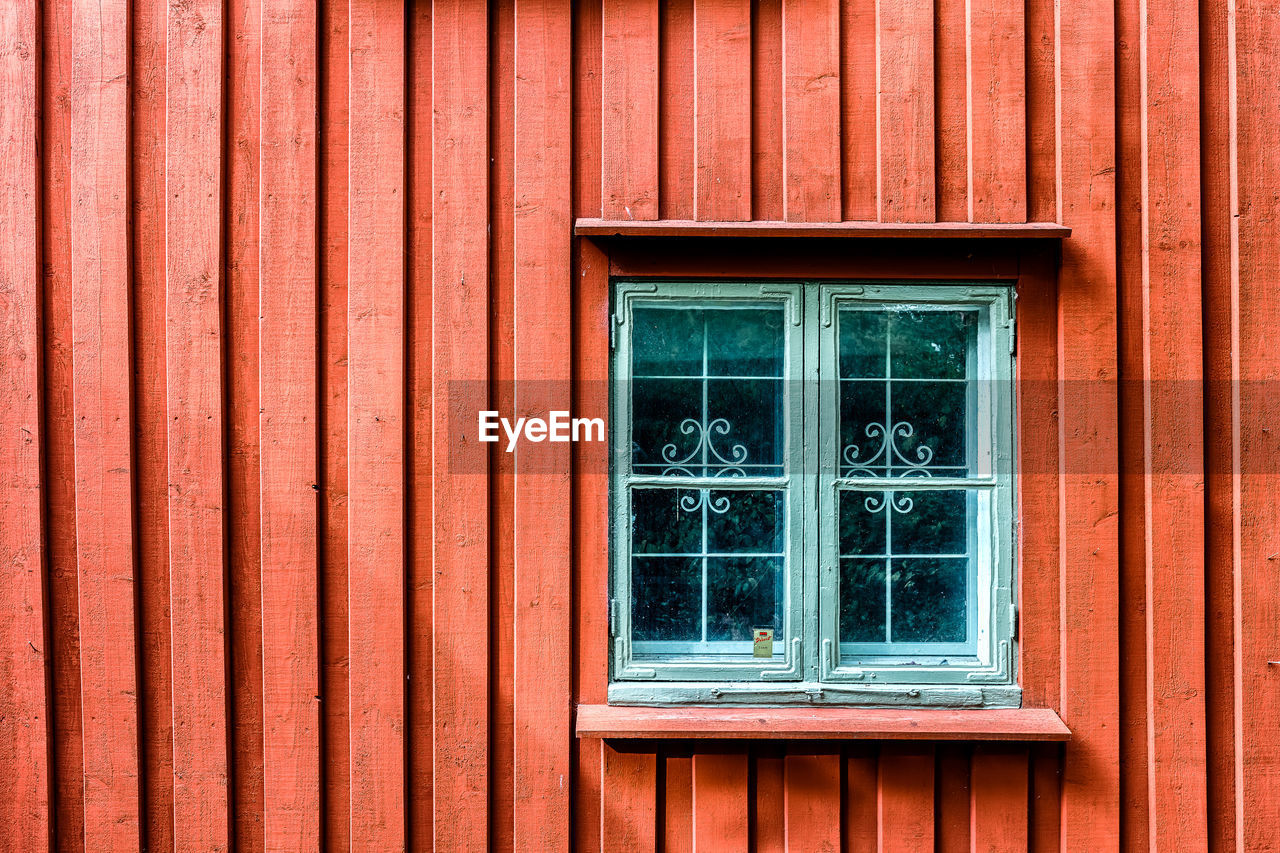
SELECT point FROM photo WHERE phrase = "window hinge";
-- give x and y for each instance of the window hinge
(1015, 618)
(613, 617)
(1013, 338)
(613, 334)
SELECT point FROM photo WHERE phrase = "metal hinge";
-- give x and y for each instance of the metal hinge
(613, 334)
(613, 617)
(1016, 619)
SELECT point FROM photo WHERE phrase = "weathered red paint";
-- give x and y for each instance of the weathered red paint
(246, 601)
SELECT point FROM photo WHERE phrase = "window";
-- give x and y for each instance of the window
(812, 493)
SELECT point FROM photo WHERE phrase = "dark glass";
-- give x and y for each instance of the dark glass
(862, 343)
(862, 523)
(666, 598)
(931, 344)
(862, 439)
(744, 418)
(666, 342)
(660, 408)
(930, 600)
(743, 593)
(937, 415)
(744, 341)
(936, 524)
(660, 525)
(862, 602)
(752, 522)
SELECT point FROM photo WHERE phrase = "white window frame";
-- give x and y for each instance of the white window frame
(808, 665)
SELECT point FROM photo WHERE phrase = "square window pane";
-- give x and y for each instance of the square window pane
(745, 522)
(666, 598)
(862, 600)
(931, 344)
(744, 435)
(864, 450)
(743, 593)
(863, 343)
(862, 524)
(666, 341)
(930, 600)
(665, 432)
(661, 525)
(930, 428)
(931, 522)
(745, 341)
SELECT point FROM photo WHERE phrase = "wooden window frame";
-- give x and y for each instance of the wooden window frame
(810, 669)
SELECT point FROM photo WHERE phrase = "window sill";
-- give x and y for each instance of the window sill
(692, 723)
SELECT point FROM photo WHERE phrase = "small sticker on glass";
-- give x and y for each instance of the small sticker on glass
(763, 642)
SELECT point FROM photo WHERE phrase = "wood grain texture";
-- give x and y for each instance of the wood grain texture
(101, 380)
(811, 110)
(722, 109)
(628, 808)
(677, 805)
(721, 809)
(194, 370)
(812, 798)
(629, 98)
(905, 816)
(997, 111)
(951, 98)
(543, 332)
(24, 719)
(769, 816)
(375, 426)
(766, 109)
(998, 788)
(905, 110)
(288, 431)
(460, 272)
(861, 800)
(858, 152)
(881, 230)
(675, 110)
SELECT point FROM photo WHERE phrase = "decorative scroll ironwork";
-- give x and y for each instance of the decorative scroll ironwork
(901, 502)
(693, 499)
(729, 465)
(888, 456)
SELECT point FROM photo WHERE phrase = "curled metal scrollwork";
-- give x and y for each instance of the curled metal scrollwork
(889, 455)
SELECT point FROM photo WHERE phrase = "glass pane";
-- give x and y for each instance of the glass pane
(744, 342)
(864, 450)
(862, 601)
(666, 342)
(666, 598)
(745, 435)
(665, 426)
(937, 523)
(930, 600)
(661, 525)
(862, 524)
(863, 351)
(745, 522)
(930, 424)
(743, 593)
(931, 344)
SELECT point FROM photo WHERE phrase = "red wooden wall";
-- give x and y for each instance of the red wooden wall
(256, 253)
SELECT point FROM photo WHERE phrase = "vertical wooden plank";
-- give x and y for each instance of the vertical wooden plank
(543, 332)
(420, 725)
(287, 428)
(1042, 110)
(628, 804)
(151, 478)
(24, 726)
(998, 806)
(860, 814)
(997, 111)
(375, 425)
(1045, 830)
(193, 366)
(332, 358)
(720, 807)
(677, 804)
(1088, 429)
(675, 110)
(766, 109)
(905, 110)
(459, 256)
(1256, 109)
(812, 802)
(241, 145)
(769, 827)
(951, 109)
(859, 160)
(588, 119)
(101, 376)
(722, 110)
(951, 805)
(629, 99)
(811, 110)
(591, 539)
(905, 802)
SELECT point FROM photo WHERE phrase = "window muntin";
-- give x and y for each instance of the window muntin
(855, 440)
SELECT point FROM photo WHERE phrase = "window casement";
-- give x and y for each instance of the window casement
(831, 462)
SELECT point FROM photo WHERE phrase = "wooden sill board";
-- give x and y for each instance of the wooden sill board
(878, 230)
(1004, 724)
